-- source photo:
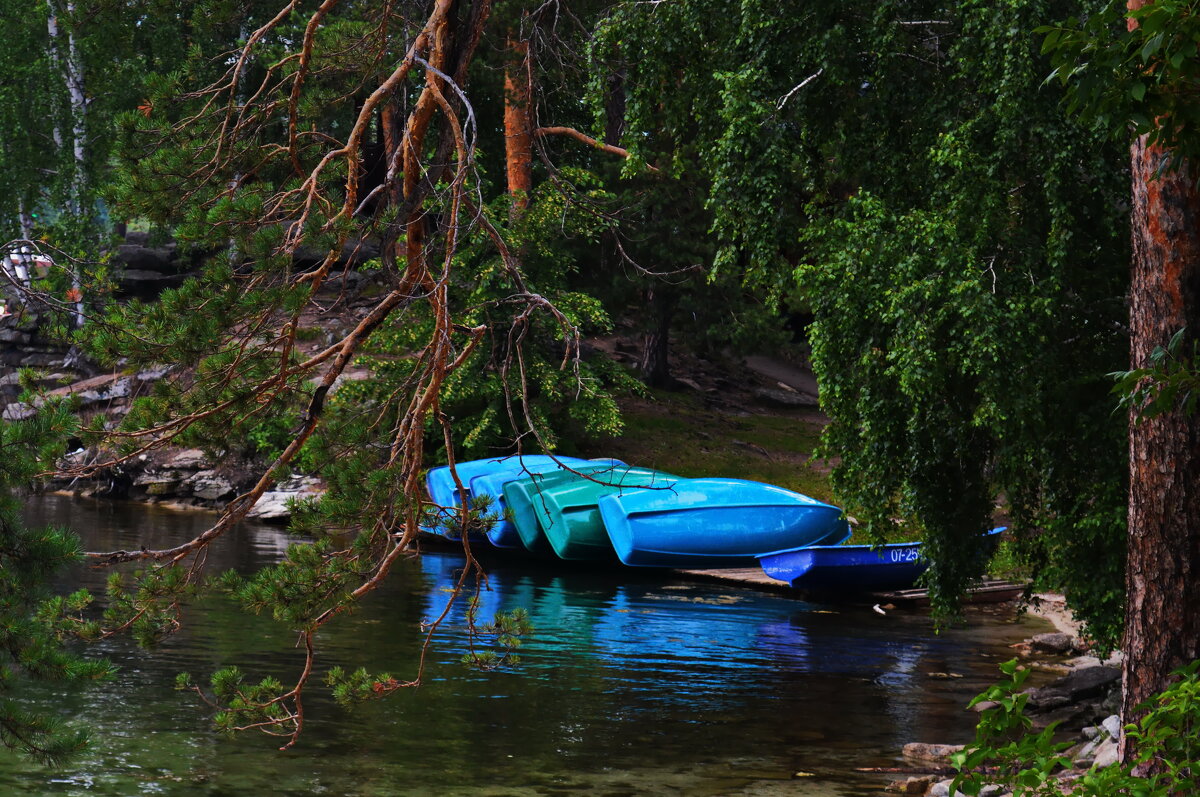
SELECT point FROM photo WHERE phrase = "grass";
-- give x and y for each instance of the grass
(676, 433)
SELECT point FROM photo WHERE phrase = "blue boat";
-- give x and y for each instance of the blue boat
(443, 492)
(715, 523)
(504, 533)
(854, 568)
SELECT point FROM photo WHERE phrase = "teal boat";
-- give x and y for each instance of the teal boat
(503, 533)
(521, 495)
(443, 490)
(560, 511)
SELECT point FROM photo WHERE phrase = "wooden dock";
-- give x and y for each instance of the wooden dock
(751, 577)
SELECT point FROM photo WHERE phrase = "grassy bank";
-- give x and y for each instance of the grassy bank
(682, 433)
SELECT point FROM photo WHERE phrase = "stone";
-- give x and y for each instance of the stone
(1083, 757)
(189, 458)
(41, 360)
(1112, 726)
(785, 398)
(1106, 754)
(210, 487)
(1079, 685)
(915, 785)
(1053, 643)
(154, 374)
(119, 389)
(920, 752)
(17, 412)
(274, 505)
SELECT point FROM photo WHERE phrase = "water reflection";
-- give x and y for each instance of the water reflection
(633, 683)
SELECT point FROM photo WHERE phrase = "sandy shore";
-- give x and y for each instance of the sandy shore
(1052, 607)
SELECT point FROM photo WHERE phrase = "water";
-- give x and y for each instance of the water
(634, 683)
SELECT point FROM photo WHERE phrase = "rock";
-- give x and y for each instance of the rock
(1053, 643)
(785, 398)
(915, 785)
(209, 486)
(118, 389)
(919, 752)
(1079, 685)
(154, 374)
(189, 459)
(1112, 726)
(41, 360)
(17, 412)
(1091, 731)
(1106, 754)
(274, 505)
(942, 789)
(1085, 755)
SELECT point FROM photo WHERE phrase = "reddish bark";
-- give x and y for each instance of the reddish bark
(1162, 616)
(518, 122)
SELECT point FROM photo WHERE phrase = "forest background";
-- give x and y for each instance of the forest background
(956, 225)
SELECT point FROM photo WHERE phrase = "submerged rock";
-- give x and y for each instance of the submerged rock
(921, 753)
(1053, 643)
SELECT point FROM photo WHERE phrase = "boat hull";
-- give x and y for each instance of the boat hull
(854, 568)
(444, 493)
(713, 523)
(523, 497)
(567, 511)
(504, 533)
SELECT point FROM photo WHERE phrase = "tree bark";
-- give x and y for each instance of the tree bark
(518, 122)
(656, 345)
(79, 204)
(1162, 616)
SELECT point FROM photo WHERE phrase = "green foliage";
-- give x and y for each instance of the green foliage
(146, 602)
(241, 704)
(957, 235)
(34, 624)
(1133, 81)
(358, 686)
(312, 579)
(1030, 764)
(1170, 381)
(504, 636)
(564, 397)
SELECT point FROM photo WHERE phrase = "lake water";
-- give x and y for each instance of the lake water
(633, 683)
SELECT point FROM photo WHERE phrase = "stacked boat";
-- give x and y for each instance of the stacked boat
(606, 510)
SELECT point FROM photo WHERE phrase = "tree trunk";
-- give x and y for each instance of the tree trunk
(1162, 616)
(78, 204)
(518, 122)
(656, 347)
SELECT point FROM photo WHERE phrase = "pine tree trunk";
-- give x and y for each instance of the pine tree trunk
(518, 122)
(1162, 617)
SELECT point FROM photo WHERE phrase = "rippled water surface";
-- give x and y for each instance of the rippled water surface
(634, 683)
